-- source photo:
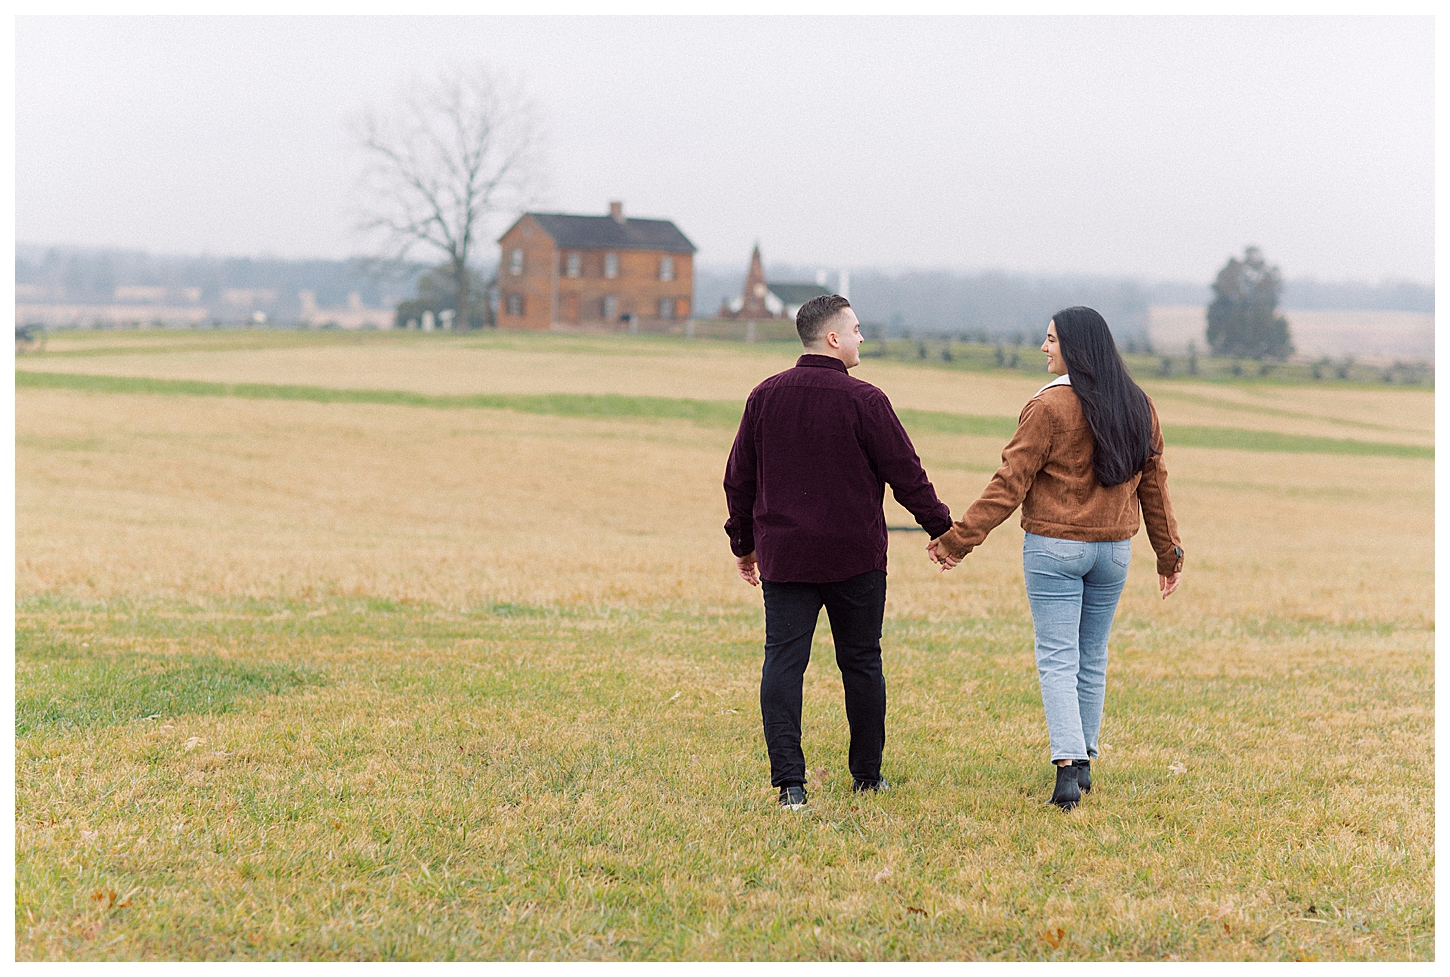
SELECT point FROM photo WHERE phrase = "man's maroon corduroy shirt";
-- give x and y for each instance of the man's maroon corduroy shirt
(807, 475)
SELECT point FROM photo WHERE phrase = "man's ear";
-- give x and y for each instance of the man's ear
(833, 339)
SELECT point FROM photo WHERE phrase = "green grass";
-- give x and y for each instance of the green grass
(376, 779)
(938, 352)
(714, 413)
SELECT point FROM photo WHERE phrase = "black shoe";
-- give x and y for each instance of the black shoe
(1084, 775)
(1065, 793)
(875, 786)
(793, 798)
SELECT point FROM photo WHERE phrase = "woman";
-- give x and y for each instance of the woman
(1087, 454)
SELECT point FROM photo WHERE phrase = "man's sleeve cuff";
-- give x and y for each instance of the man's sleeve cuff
(743, 547)
(937, 527)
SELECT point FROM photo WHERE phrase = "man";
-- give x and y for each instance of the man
(804, 486)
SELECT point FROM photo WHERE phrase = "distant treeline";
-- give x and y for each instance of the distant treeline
(1309, 293)
(984, 305)
(995, 305)
(92, 275)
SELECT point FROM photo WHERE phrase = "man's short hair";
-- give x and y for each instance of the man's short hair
(810, 321)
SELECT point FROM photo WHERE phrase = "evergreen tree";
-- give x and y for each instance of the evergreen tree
(1243, 318)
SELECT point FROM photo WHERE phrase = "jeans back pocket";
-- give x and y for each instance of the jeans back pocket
(1062, 550)
(1122, 552)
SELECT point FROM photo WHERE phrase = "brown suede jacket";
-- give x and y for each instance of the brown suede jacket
(1047, 468)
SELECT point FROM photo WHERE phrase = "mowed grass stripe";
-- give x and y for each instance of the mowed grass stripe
(717, 413)
(714, 413)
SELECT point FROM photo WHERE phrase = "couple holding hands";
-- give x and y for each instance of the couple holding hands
(804, 487)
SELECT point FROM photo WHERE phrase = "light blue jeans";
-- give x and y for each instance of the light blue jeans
(1073, 588)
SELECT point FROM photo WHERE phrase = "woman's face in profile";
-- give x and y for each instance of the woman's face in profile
(1055, 362)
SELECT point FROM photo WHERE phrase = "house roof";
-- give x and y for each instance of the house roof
(796, 294)
(632, 234)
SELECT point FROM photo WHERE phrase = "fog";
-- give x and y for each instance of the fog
(1143, 147)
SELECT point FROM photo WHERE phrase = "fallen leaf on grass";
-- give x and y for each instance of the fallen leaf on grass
(1054, 937)
(89, 835)
(105, 898)
(821, 774)
(882, 875)
(1226, 930)
(193, 743)
(916, 909)
(1177, 769)
(673, 697)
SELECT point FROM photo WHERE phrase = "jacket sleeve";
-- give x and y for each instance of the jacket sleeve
(1022, 459)
(895, 460)
(740, 485)
(1157, 507)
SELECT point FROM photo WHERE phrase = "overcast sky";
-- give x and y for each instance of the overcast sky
(1148, 147)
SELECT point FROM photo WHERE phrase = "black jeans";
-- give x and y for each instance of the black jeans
(855, 608)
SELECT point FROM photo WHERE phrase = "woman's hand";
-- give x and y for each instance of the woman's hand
(939, 556)
(1167, 585)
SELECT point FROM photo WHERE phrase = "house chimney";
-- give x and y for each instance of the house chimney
(616, 210)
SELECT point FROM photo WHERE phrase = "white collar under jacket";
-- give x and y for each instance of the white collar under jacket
(1064, 379)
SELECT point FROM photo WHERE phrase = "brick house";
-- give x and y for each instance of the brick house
(569, 269)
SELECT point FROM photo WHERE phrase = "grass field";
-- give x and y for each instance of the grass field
(342, 647)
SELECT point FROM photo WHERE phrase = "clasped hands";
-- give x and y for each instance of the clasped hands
(938, 555)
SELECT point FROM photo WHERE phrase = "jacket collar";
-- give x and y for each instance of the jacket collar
(817, 360)
(1062, 381)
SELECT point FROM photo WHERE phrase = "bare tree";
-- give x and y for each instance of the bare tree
(450, 155)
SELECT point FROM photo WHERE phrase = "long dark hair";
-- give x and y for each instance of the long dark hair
(1115, 407)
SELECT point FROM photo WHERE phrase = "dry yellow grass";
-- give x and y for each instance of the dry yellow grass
(139, 495)
(672, 368)
(523, 721)
(1370, 335)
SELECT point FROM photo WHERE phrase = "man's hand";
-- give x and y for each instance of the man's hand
(1169, 584)
(939, 556)
(748, 571)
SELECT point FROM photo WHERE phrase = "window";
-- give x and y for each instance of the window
(571, 264)
(667, 272)
(514, 303)
(611, 265)
(667, 308)
(611, 308)
(516, 261)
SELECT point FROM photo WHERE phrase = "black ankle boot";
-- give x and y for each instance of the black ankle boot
(1084, 774)
(1065, 793)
